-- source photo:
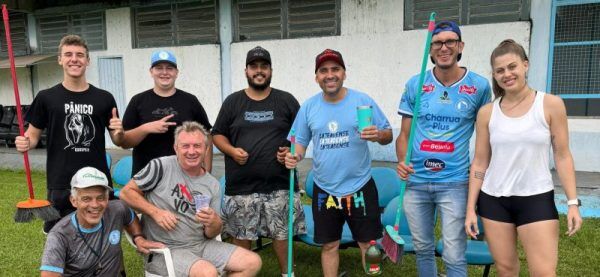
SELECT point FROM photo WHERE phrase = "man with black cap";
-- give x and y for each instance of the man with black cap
(344, 190)
(151, 116)
(251, 131)
(88, 241)
(438, 175)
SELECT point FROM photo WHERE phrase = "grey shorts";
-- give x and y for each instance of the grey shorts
(247, 217)
(213, 251)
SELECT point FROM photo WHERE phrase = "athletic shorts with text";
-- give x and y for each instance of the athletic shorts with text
(360, 210)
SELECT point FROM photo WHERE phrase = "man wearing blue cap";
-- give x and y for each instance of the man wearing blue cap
(151, 116)
(438, 175)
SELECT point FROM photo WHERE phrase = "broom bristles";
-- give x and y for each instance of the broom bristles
(393, 244)
(47, 213)
(23, 215)
(44, 213)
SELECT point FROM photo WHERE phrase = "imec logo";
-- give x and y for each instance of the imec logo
(428, 88)
(434, 165)
(470, 90)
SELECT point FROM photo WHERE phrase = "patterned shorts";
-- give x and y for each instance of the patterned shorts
(247, 217)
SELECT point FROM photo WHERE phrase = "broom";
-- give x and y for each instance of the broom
(392, 242)
(27, 209)
(291, 206)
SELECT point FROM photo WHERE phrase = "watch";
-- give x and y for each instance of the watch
(575, 201)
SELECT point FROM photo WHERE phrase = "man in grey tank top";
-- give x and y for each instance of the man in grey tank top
(88, 241)
(165, 192)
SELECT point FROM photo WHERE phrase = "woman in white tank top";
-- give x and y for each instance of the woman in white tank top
(510, 180)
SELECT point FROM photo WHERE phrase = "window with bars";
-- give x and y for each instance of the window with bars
(175, 24)
(282, 19)
(574, 71)
(464, 12)
(51, 28)
(18, 35)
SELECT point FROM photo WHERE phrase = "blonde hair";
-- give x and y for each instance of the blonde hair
(507, 46)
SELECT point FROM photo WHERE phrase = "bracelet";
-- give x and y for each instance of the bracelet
(135, 236)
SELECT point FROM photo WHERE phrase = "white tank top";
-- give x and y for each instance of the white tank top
(519, 164)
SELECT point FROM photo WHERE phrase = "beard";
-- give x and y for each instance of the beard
(256, 86)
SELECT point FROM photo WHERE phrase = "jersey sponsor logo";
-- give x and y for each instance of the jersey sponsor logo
(259, 116)
(466, 89)
(114, 237)
(428, 88)
(437, 146)
(445, 98)
(462, 105)
(434, 165)
(441, 122)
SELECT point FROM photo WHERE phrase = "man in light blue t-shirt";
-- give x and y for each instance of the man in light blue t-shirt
(439, 169)
(344, 189)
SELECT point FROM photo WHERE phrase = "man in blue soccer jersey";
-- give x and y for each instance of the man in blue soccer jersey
(438, 175)
(344, 189)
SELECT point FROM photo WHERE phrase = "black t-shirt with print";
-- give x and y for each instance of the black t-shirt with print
(147, 107)
(260, 128)
(76, 122)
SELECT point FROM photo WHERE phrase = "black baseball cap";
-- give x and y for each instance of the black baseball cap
(258, 53)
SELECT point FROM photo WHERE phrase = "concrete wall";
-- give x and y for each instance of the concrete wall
(7, 96)
(198, 65)
(380, 57)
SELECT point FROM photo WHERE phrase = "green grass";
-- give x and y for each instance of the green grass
(22, 245)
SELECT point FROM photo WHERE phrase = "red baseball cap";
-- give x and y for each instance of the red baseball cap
(329, 55)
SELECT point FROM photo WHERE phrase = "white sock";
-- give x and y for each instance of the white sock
(286, 275)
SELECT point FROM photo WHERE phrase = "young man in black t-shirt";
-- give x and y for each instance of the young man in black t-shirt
(152, 116)
(251, 130)
(75, 115)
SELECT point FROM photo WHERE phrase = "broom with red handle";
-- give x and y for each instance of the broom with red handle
(26, 210)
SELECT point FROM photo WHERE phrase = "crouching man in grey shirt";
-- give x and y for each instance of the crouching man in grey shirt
(88, 241)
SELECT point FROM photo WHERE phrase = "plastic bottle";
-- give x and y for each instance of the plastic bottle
(373, 260)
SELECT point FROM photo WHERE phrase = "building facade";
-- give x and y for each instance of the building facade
(382, 42)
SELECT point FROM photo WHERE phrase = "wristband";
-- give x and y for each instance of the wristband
(575, 202)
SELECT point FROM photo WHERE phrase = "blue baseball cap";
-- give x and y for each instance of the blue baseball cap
(447, 26)
(160, 56)
(451, 26)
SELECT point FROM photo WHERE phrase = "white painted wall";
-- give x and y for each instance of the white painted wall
(380, 57)
(198, 65)
(7, 96)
